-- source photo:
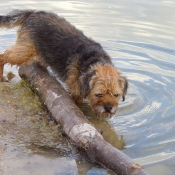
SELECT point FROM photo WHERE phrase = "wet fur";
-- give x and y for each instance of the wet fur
(77, 60)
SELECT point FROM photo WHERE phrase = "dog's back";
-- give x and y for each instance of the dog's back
(57, 42)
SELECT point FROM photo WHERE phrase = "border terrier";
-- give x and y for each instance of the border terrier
(80, 62)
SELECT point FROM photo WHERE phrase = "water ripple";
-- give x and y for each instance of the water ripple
(147, 116)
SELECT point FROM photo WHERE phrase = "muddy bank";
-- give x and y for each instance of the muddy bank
(27, 132)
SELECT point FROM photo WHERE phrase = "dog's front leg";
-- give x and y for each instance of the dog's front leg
(78, 100)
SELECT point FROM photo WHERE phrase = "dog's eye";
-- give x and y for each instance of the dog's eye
(116, 95)
(99, 95)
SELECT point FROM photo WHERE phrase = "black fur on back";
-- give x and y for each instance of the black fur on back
(60, 43)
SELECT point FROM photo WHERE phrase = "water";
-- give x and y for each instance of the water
(139, 36)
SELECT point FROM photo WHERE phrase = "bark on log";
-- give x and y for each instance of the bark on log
(75, 125)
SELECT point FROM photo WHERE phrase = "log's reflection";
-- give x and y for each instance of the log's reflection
(85, 166)
(109, 133)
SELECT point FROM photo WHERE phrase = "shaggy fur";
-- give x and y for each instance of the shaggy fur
(80, 62)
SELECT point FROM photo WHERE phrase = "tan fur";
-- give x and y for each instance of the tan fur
(107, 81)
(22, 52)
(72, 82)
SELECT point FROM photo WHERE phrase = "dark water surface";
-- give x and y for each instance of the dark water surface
(139, 36)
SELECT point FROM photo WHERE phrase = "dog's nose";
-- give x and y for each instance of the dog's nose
(108, 108)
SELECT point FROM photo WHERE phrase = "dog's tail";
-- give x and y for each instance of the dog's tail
(15, 18)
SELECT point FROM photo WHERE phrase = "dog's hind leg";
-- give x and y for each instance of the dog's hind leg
(19, 54)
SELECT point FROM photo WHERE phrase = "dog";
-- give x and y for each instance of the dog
(80, 62)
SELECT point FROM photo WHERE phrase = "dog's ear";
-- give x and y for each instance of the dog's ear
(85, 83)
(124, 83)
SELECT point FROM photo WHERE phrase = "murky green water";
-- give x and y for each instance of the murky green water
(139, 36)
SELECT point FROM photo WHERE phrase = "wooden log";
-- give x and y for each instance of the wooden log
(75, 125)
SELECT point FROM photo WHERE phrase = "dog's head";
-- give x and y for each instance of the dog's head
(103, 87)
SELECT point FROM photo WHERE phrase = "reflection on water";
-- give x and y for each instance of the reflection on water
(139, 36)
